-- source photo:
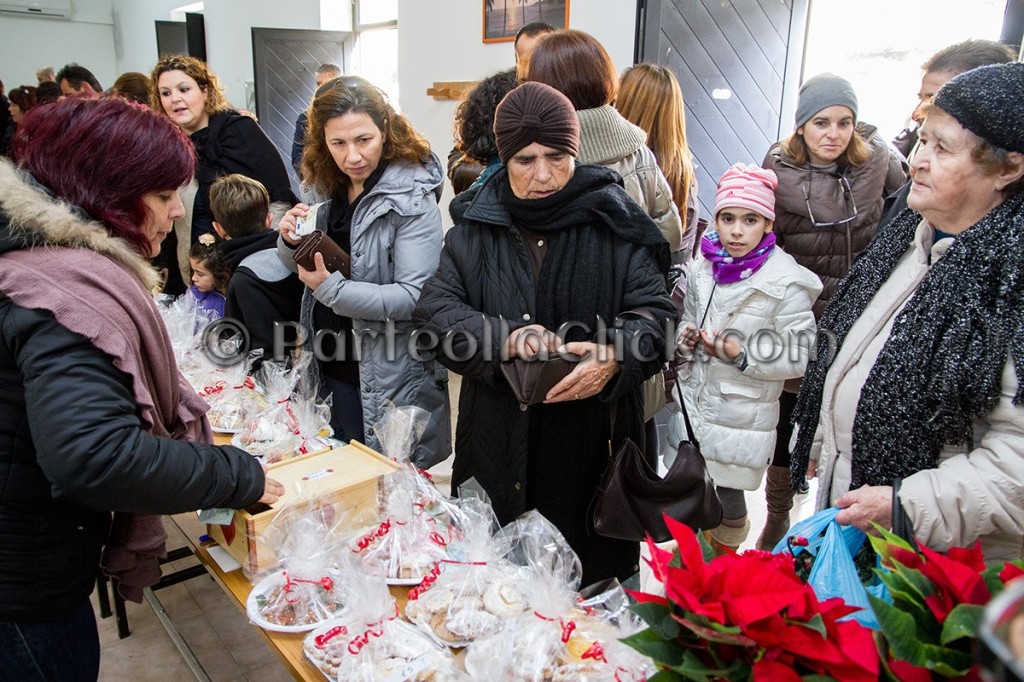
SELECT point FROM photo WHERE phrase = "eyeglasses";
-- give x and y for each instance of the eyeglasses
(849, 204)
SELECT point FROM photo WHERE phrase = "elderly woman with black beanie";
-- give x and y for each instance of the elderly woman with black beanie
(545, 243)
(913, 413)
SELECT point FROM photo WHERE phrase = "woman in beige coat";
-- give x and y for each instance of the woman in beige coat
(915, 404)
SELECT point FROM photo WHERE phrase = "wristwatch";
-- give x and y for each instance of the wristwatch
(741, 360)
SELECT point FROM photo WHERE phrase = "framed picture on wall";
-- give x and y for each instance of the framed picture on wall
(503, 18)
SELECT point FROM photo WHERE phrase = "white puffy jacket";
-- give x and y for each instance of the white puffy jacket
(734, 413)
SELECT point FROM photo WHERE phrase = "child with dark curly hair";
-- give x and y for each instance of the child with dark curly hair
(210, 276)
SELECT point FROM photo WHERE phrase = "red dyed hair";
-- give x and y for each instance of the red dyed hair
(104, 156)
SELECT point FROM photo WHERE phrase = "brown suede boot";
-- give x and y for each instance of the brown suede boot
(778, 493)
(729, 535)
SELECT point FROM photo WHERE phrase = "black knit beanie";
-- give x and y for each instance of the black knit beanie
(534, 112)
(987, 102)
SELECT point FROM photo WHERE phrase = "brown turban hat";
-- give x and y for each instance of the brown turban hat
(534, 112)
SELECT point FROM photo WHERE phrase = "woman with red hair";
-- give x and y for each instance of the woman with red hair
(99, 433)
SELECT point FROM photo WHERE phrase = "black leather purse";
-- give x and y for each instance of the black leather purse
(632, 498)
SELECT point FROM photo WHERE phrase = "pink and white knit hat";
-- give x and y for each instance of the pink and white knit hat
(748, 186)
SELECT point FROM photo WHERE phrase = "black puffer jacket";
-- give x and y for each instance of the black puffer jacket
(549, 457)
(829, 251)
(71, 445)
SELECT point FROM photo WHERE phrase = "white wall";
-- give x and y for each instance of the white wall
(229, 35)
(26, 43)
(427, 53)
(136, 32)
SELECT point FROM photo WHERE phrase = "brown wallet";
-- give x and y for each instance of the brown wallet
(532, 379)
(335, 257)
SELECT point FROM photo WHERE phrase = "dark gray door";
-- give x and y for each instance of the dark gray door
(738, 63)
(284, 65)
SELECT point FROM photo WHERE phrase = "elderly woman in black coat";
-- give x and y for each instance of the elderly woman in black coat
(550, 256)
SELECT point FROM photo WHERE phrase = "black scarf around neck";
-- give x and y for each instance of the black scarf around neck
(574, 280)
(941, 367)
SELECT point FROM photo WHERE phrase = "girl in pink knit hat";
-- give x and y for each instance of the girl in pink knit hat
(746, 328)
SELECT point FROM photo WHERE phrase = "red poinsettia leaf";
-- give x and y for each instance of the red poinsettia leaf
(969, 556)
(964, 581)
(858, 645)
(940, 605)
(689, 549)
(773, 671)
(907, 672)
(645, 597)
(1010, 571)
(659, 560)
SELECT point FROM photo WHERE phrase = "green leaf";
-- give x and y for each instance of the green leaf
(962, 621)
(817, 678)
(991, 577)
(665, 676)
(652, 645)
(692, 668)
(817, 623)
(881, 542)
(658, 617)
(732, 636)
(705, 548)
(904, 642)
(908, 585)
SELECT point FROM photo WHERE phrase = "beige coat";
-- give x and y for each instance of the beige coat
(609, 140)
(975, 493)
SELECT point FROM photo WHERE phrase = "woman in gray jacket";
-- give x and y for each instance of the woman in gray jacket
(384, 184)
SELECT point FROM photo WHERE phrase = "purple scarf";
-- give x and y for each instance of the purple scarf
(726, 269)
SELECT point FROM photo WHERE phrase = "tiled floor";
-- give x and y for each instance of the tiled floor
(227, 646)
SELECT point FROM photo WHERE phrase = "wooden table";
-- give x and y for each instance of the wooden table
(287, 646)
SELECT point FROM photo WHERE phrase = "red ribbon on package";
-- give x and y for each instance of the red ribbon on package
(289, 586)
(383, 529)
(325, 637)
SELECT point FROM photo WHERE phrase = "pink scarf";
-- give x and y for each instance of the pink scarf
(101, 299)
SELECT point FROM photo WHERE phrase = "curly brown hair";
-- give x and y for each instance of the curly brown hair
(196, 70)
(212, 260)
(351, 94)
(474, 118)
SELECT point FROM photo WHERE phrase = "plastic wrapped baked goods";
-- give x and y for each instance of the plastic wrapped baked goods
(406, 544)
(370, 643)
(234, 398)
(303, 588)
(392, 650)
(295, 421)
(289, 603)
(470, 594)
(562, 635)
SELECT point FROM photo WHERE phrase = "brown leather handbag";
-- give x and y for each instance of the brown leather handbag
(335, 257)
(632, 497)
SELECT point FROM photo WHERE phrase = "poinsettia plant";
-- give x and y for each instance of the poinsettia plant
(745, 616)
(937, 604)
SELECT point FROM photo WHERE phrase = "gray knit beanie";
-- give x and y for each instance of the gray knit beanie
(987, 102)
(821, 92)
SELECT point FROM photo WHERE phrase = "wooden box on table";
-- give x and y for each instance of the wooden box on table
(345, 479)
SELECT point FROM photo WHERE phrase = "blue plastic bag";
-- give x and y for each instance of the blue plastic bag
(833, 573)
